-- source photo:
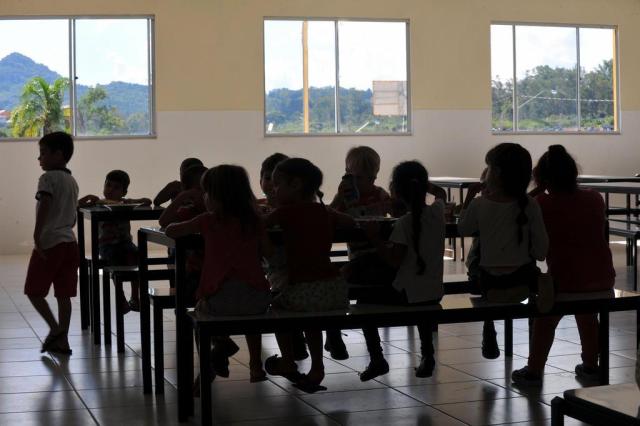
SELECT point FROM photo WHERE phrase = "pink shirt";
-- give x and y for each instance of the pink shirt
(579, 257)
(308, 235)
(229, 255)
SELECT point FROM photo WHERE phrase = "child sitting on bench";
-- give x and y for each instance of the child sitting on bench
(511, 234)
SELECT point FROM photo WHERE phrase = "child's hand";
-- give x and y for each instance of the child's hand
(88, 200)
(346, 190)
(145, 201)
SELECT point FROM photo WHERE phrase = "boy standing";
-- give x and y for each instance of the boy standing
(55, 258)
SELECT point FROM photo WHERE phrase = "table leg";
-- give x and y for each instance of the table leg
(158, 352)
(95, 282)
(84, 276)
(205, 377)
(603, 336)
(557, 411)
(508, 337)
(184, 341)
(145, 320)
(106, 306)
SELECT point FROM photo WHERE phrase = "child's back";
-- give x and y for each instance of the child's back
(428, 286)
(495, 222)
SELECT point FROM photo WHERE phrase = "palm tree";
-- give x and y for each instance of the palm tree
(40, 110)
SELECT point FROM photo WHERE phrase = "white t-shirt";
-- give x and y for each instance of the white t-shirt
(495, 224)
(63, 190)
(426, 287)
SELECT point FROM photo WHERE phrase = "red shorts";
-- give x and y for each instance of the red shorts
(60, 267)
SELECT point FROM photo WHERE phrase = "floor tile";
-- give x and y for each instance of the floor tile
(39, 401)
(124, 397)
(46, 366)
(449, 393)
(372, 399)
(48, 418)
(398, 417)
(407, 376)
(226, 410)
(49, 383)
(497, 411)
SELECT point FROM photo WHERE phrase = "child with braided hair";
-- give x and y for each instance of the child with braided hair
(511, 234)
(415, 250)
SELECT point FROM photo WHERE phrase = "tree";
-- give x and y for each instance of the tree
(40, 109)
(95, 116)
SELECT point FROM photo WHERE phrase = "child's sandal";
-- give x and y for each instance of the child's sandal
(272, 366)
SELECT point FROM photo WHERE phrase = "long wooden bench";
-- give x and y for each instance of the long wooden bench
(601, 405)
(165, 298)
(453, 309)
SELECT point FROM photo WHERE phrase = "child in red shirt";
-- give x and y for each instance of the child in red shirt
(232, 281)
(314, 283)
(579, 258)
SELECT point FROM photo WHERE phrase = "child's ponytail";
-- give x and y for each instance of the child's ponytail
(410, 181)
(510, 165)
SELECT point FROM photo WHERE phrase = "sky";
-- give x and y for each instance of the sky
(546, 45)
(368, 51)
(106, 50)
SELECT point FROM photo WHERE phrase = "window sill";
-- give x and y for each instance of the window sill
(331, 135)
(616, 133)
(86, 138)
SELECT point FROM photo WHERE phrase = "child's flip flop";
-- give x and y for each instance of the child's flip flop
(272, 366)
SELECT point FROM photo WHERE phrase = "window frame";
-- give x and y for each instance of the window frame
(151, 63)
(577, 27)
(336, 20)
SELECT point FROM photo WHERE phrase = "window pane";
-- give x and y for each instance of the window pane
(502, 78)
(284, 44)
(373, 77)
(112, 68)
(34, 77)
(283, 76)
(597, 50)
(546, 59)
(322, 76)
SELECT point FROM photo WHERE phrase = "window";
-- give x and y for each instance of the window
(565, 79)
(110, 93)
(336, 77)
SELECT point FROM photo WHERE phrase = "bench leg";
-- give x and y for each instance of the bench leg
(84, 293)
(603, 336)
(119, 317)
(634, 251)
(508, 337)
(106, 306)
(205, 378)
(158, 349)
(557, 411)
(95, 305)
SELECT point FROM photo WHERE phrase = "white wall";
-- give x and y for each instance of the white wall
(448, 142)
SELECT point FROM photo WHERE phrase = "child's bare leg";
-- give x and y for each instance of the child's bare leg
(64, 318)
(254, 343)
(41, 305)
(314, 341)
(64, 313)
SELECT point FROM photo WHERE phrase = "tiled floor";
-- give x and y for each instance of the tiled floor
(96, 385)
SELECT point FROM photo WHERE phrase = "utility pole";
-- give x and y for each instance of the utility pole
(305, 75)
